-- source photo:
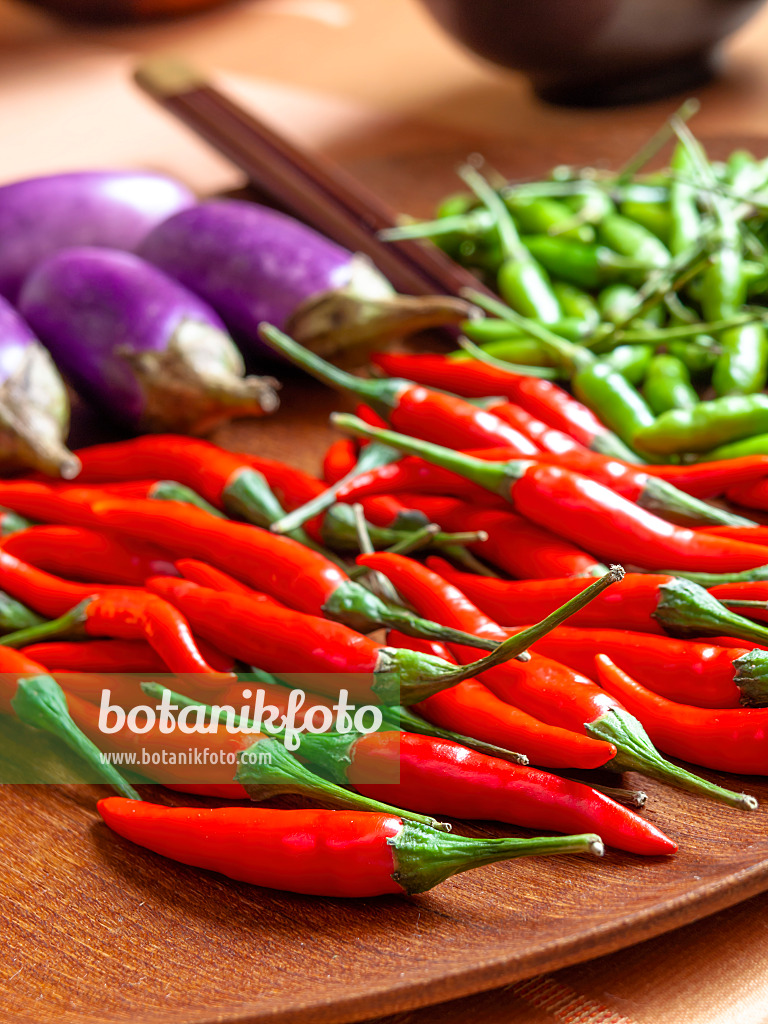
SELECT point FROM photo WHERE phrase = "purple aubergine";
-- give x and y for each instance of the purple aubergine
(253, 264)
(115, 209)
(138, 344)
(34, 405)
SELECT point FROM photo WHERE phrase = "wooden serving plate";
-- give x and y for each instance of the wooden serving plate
(97, 930)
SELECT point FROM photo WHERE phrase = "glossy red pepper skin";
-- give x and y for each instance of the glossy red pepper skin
(214, 778)
(301, 577)
(612, 527)
(730, 740)
(510, 603)
(754, 591)
(711, 479)
(70, 506)
(412, 474)
(444, 778)
(693, 673)
(110, 612)
(339, 459)
(261, 632)
(475, 379)
(207, 576)
(96, 656)
(751, 495)
(78, 553)
(514, 544)
(750, 534)
(317, 852)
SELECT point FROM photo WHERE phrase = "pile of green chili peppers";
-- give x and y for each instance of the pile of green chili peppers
(646, 291)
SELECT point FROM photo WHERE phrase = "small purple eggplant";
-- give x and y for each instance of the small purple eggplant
(115, 209)
(253, 264)
(34, 405)
(139, 345)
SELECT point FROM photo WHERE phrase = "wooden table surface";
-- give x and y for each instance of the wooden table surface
(379, 88)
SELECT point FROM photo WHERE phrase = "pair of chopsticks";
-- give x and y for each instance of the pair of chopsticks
(308, 186)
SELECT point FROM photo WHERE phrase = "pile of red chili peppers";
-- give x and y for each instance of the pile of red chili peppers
(168, 554)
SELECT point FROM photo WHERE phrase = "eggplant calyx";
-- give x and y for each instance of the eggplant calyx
(34, 417)
(364, 311)
(197, 382)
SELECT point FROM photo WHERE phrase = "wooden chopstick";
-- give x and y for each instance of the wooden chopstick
(304, 184)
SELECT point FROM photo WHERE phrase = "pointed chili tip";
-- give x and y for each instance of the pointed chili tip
(617, 573)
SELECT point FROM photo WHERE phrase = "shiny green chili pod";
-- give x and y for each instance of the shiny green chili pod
(488, 329)
(587, 266)
(756, 445)
(613, 399)
(542, 215)
(668, 385)
(698, 359)
(617, 302)
(520, 351)
(742, 369)
(706, 426)
(653, 216)
(575, 302)
(628, 238)
(632, 361)
(526, 287)
(685, 219)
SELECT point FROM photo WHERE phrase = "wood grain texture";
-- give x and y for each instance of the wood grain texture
(95, 930)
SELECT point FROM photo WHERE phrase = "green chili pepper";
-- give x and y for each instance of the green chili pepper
(706, 426)
(757, 445)
(685, 227)
(490, 330)
(543, 215)
(588, 266)
(611, 397)
(523, 351)
(698, 358)
(742, 369)
(631, 361)
(668, 385)
(456, 204)
(628, 238)
(577, 303)
(653, 216)
(522, 282)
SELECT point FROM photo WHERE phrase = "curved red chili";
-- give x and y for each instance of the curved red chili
(544, 688)
(82, 554)
(440, 777)
(729, 740)
(318, 852)
(711, 479)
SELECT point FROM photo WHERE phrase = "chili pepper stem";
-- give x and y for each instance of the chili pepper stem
(687, 610)
(637, 753)
(40, 702)
(70, 624)
(360, 609)
(425, 858)
(665, 499)
(752, 679)
(171, 490)
(408, 677)
(14, 615)
(403, 718)
(381, 395)
(495, 477)
(371, 457)
(267, 769)
(716, 579)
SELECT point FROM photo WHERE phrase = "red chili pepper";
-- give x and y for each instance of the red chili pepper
(108, 612)
(319, 852)
(430, 415)
(35, 698)
(70, 506)
(11, 523)
(411, 474)
(752, 495)
(751, 534)
(582, 511)
(555, 442)
(475, 379)
(284, 641)
(703, 675)
(175, 764)
(437, 776)
(226, 480)
(207, 576)
(96, 656)
(514, 544)
(646, 604)
(710, 479)
(339, 459)
(544, 688)
(299, 576)
(729, 740)
(82, 554)
(480, 714)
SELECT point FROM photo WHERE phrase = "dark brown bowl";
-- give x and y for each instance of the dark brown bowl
(125, 11)
(598, 52)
